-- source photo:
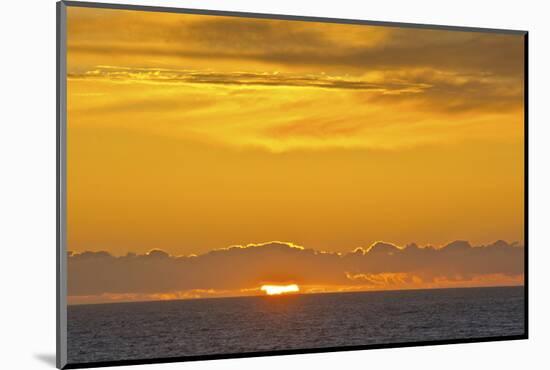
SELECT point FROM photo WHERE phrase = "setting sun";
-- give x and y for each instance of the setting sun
(280, 289)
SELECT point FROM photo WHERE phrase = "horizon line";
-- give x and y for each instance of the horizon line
(299, 294)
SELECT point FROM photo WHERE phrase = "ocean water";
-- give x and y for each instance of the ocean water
(123, 331)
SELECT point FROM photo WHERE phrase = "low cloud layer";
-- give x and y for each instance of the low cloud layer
(241, 270)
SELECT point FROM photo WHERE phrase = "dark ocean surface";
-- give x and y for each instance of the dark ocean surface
(123, 331)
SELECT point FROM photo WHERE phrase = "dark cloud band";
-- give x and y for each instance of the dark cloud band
(234, 268)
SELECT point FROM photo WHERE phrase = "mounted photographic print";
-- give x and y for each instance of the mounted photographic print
(235, 184)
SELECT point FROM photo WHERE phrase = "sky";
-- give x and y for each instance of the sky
(189, 134)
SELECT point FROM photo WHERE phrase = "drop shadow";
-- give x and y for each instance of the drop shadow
(47, 358)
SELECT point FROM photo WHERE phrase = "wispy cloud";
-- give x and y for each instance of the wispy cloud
(273, 79)
(290, 43)
(294, 85)
(378, 109)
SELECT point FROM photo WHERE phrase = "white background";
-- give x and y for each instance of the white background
(27, 182)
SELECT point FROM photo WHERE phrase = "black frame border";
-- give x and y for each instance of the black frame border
(61, 122)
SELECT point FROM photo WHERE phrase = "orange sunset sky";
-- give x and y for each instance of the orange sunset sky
(188, 134)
